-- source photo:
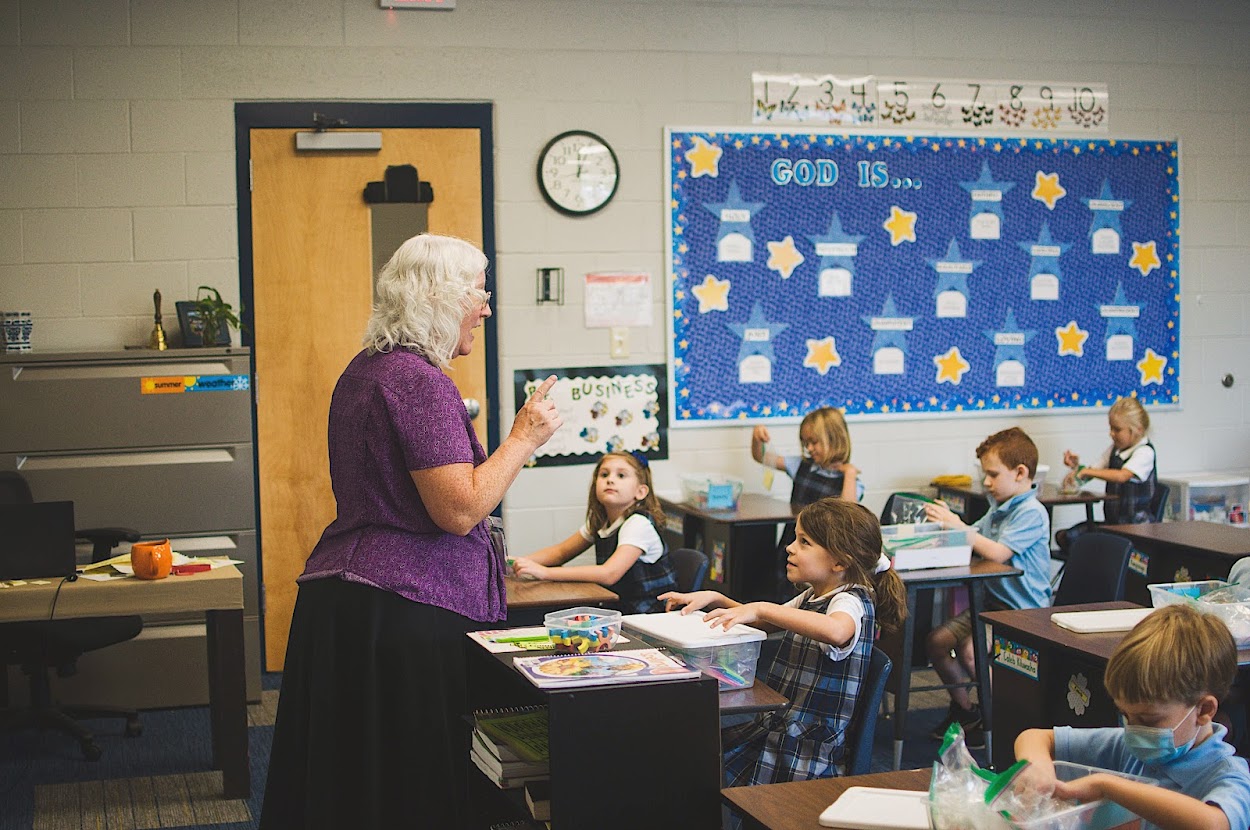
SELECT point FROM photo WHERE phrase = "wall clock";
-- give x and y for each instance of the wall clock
(578, 173)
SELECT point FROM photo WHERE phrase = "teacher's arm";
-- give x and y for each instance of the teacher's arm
(459, 496)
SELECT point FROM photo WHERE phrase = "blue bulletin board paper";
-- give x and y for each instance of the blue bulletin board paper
(908, 276)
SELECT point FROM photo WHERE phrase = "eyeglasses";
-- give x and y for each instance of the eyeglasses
(483, 297)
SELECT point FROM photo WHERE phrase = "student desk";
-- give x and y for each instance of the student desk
(971, 504)
(743, 540)
(1051, 676)
(529, 600)
(218, 593)
(973, 577)
(798, 805)
(1179, 552)
(622, 757)
(758, 697)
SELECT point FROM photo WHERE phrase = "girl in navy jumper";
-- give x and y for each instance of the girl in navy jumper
(830, 628)
(622, 520)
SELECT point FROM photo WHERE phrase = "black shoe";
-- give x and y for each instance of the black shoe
(939, 731)
(974, 728)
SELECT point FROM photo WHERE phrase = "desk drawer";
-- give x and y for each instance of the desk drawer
(47, 406)
(158, 492)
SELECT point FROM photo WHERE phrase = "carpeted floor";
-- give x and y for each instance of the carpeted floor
(163, 778)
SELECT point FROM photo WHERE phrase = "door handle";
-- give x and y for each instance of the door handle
(473, 407)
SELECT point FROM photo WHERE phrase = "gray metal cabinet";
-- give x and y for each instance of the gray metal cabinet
(157, 441)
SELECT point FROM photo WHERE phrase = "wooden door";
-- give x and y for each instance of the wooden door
(312, 290)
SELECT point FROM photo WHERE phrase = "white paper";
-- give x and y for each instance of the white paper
(619, 298)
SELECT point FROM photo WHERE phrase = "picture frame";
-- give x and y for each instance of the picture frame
(188, 318)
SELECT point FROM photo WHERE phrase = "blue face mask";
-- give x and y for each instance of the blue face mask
(1156, 744)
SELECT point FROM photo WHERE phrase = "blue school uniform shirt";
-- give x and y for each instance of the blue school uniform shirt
(1021, 524)
(1209, 772)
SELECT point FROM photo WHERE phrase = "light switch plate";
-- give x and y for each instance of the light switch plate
(620, 342)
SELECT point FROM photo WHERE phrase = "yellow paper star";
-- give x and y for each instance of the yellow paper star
(951, 366)
(783, 257)
(1047, 189)
(822, 354)
(1151, 367)
(1071, 339)
(901, 225)
(704, 159)
(1145, 257)
(713, 294)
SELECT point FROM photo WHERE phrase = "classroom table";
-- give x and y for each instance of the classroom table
(529, 600)
(1179, 552)
(973, 577)
(758, 697)
(971, 503)
(798, 804)
(740, 544)
(217, 593)
(1052, 676)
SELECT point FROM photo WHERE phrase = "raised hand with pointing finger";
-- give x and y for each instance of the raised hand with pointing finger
(538, 419)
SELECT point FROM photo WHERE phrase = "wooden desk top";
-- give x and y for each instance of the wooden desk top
(978, 569)
(752, 507)
(798, 805)
(1200, 537)
(756, 698)
(220, 589)
(1049, 496)
(539, 593)
(1035, 622)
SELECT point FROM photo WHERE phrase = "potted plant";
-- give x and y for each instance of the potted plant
(213, 315)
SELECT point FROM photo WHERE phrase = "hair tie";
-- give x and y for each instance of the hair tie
(883, 564)
(640, 458)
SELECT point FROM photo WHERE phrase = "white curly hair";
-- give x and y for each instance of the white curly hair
(423, 294)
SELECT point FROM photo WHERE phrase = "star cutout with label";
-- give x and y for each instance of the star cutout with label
(735, 214)
(821, 355)
(704, 158)
(1071, 339)
(1121, 324)
(1107, 209)
(953, 270)
(951, 366)
(1047, 189)
(1009, 340)
(837, 248)
(1145, 257)
(987, 194)
(901, 225)
(783, 257)
(712, 294)
(1151, 368)
(757, 334)
(889, 336)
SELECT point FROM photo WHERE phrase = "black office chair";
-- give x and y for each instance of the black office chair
(1159, 501)
(39, 647)
(691, 567)
(863, 728)
(1097, 564)
(1158, 506)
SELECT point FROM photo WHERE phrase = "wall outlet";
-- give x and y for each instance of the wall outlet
(620, 342)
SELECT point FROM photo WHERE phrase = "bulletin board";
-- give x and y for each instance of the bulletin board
(900, 276)
(604, 409)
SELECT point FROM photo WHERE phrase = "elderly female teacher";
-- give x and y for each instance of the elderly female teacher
(369, 732)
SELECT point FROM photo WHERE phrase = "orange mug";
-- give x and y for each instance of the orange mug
(151, 560)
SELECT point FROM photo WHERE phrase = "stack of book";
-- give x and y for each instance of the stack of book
(510, 745)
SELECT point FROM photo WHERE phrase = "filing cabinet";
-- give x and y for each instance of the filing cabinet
(160, 442)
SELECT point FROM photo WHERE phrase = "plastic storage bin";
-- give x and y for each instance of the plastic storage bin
(583, 630)
(1208, 497)
(711, 491)
(1236, 615)
(729, 656)
(1096, 815)
(907, 508)
(925, 545)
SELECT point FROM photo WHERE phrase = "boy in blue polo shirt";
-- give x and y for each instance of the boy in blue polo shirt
(1016, 532)
(1166, 678)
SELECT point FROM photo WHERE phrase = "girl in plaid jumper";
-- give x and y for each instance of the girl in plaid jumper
(824, 468)
(830, 628)
(622, 520)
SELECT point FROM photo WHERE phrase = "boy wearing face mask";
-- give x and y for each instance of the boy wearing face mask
(1166, 678)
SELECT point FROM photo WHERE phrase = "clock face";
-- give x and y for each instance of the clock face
(577, 172)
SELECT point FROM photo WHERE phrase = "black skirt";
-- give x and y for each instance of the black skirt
(370, 730)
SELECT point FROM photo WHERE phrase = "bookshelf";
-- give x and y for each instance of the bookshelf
(623, 756)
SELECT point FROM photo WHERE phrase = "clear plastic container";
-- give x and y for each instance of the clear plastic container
(711, 491)
(729, 656)
(1096, 815)
(1236, 615)
(925, 545)
(583, 630)
(907, 508)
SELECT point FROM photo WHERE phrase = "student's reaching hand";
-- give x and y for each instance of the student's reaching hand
(529, 569)
(689, 603)
(1037, 777)
(727, 618)
(1071, 459)
(939, 512)
(1084, 789)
